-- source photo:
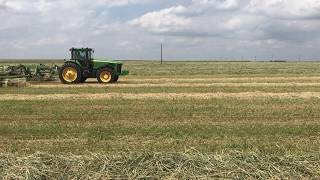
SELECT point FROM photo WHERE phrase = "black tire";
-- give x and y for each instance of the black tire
(110, 73)
(77, 69)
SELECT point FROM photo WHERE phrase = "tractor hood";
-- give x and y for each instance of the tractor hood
(99, 63)
(106, 61)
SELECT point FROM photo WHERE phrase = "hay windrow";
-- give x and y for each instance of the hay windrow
(170, 84)
(223, 79)
(151, 165)
(245, 95)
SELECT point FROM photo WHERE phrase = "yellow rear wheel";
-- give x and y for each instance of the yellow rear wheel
(70, 74)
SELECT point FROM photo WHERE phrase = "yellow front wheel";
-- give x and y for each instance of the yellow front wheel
(106, 75)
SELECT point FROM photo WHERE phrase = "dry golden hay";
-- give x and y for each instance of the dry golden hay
(99, 96)
(222, 79)
(156, 165)
(14, 82)
(140, 85)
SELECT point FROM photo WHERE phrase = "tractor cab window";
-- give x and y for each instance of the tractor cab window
(89, 55)
(79, 55)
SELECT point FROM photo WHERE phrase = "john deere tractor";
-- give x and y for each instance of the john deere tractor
(82, 66)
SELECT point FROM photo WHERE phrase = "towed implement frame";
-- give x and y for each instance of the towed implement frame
(38, 73)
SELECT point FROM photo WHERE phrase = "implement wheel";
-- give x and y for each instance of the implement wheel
(106, 75)
(70, 73)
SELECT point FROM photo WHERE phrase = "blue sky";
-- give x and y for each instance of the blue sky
(189, 29)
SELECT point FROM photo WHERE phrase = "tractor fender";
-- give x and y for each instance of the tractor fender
(116, 71)
(95, 71)
(74, 62)
(105, 66)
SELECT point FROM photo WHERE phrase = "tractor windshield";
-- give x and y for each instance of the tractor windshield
(79, 55)
(82, 54)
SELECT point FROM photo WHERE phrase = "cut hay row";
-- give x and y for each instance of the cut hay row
(245, 95)
(149, 165)
(124, 84)
(13, 82)
(222, 79)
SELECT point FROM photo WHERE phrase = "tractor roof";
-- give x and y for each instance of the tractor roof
(81, 49)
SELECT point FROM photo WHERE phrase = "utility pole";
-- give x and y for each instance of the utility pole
(161, 54)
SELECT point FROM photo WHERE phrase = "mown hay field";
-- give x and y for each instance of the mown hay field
(177, 120)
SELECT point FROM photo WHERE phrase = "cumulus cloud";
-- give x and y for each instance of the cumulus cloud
(216, 4)
(166, 20)
(288, 9)
(248, 19)
(121, 2)
(200, 18)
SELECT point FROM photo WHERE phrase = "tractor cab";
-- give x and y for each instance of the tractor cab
(83, 55)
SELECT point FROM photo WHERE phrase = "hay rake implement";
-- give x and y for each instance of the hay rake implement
(18, 75)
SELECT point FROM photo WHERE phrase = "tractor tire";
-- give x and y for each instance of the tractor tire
(106, 75)
(70, 73)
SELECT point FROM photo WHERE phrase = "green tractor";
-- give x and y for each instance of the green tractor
(82, 66)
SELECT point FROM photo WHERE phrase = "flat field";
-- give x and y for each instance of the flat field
(177, 120)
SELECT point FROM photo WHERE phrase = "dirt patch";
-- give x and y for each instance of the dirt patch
(246, 95)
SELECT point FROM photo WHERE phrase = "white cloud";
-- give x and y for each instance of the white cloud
(248, 19)
(111, 3)
(290, 9)
(163, 21)
(28, 6)
(199, 18)
(216, 4)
